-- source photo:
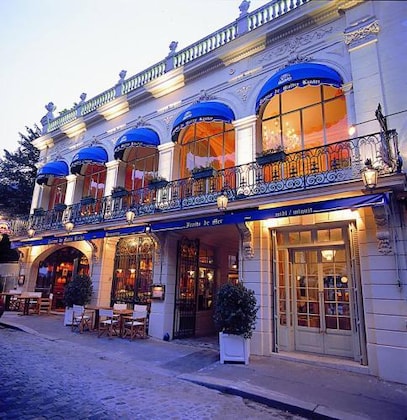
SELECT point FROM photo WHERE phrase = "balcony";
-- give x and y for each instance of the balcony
(255, 182)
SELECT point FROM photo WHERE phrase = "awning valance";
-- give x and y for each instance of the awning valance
(135, 137)
(201, 112)
(51, 170)
(94, 155)
(298, 75)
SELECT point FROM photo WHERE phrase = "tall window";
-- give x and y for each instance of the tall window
(94, 181)
(133, 270)
(304, 117)
(57, 193)
(207, 144)
(142, 166)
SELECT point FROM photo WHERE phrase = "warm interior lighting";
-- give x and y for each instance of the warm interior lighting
(130, 215)
(328, 254)
(30, 232)
(369, 175)
(69, 226)
(222, 201)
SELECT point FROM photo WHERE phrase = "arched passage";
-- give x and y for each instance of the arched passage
(58, 269)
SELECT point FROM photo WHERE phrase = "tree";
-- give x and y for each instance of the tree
(17, 175)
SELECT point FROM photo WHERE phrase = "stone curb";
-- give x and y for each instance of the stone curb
(270, 398)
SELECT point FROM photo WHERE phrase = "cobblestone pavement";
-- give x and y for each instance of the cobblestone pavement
(48, 379)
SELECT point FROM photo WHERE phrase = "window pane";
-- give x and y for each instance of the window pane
(272, 108)
(291, 128)
(271, 134)
(335, 120)
(300, 97)
(313, 126)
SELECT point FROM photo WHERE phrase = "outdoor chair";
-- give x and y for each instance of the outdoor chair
(81, 319)
(33, 305)
(45, 304)
(108, 324)
(136, 324)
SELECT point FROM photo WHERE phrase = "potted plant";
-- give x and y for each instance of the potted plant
(157, 182)
(235, 317)
(201, 172)
(275, 154)
(77, 292)
(60, 207)
(119, 192)
(39, 211)
(85, 201)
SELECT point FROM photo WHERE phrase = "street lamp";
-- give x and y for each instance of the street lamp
(69, 226)
(222, 201)
(130, 215)
(369, 175)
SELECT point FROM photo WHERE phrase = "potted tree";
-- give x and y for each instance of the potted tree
(77, 292)
(235, 317)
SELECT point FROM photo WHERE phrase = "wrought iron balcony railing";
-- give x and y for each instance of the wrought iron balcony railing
(306, 169)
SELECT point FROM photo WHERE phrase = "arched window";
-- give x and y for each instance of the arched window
(304, 117)
(94, 181)
(141, 167)
(206, 144)
(303, 112)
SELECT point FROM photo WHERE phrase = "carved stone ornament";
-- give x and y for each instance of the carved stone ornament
(140, 122)
(383, 233)
(362, 33)
(204, 96)
(247, 239)
(95, 252)
(243, 92)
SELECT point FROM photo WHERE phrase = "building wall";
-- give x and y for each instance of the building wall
(365, 44)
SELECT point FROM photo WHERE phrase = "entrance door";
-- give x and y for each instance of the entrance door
(321, 284)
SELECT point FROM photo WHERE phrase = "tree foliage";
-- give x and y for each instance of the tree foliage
(17, 175)
(78, 291)
(235, 310)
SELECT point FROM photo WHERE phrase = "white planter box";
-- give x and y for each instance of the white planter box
(234, 348)
(68, 316)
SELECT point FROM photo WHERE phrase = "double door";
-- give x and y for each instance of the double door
(321, 287)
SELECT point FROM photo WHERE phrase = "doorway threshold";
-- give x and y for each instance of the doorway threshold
(339, 363)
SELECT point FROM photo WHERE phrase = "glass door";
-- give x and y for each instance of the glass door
(321, 301)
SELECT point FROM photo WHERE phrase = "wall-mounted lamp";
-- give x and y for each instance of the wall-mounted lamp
(369, 175)
(30, 232)
(130, 215)
(69, 227)
(328, 254)
(147, 229)
(222, 201)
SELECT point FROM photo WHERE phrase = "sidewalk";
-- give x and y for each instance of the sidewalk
(313, 387)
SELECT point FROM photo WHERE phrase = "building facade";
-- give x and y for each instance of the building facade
(270, 152)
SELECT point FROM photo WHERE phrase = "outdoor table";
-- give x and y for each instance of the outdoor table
(120, 312)
(26, 300)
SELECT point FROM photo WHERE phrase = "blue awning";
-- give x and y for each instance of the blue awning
(51, 170)
(94, 155)
(135, 137)
(298, 75)
(253, 214)
(201, 112)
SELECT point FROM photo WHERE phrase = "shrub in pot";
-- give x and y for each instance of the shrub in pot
(235, 317)
(77, 292)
